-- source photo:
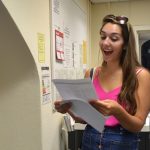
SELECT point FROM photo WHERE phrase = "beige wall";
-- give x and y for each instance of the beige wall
(32, 17)
(137, 11)
(85, 5)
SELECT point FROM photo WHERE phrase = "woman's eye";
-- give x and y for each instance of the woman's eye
(114, 39)
(102, 37)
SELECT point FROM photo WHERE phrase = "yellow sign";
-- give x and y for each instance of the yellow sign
(41, 47)
(84, 47)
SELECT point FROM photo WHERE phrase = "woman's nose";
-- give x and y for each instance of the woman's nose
(106, 41)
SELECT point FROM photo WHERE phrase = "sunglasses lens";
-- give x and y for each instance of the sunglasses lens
(122, 19)
(118, 19)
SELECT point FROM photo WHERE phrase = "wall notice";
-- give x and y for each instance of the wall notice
(41, 47)
(45, 85)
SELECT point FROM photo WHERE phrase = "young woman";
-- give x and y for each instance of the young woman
(122, 86)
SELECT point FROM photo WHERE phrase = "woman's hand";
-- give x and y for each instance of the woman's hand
(106, 107)
(62, 108)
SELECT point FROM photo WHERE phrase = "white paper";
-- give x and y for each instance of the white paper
(79, 92)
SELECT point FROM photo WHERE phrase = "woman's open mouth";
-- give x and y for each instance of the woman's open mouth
(108, 52)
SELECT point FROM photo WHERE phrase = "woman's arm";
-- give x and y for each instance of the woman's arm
(77, 119)
(135, 123)
(132, 123)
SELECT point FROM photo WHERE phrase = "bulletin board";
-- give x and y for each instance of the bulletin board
(69, 36)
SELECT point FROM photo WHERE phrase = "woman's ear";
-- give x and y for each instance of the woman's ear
(124, 47)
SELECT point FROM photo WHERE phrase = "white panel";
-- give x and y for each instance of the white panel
(69, 19)
(19, 90)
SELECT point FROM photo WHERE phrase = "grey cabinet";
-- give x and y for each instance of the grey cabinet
(144, 141)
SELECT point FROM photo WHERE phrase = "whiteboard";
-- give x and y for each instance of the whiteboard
(69, 30)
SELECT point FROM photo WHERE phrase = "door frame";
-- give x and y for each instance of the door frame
(137, 31)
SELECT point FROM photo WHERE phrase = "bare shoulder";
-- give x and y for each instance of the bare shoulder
(144, 75)
(87, 73)
(143, 72)
(143, 89)
(95, 72)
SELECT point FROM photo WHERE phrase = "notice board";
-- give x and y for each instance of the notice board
(69, 36)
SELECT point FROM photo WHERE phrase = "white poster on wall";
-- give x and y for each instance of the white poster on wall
(45, 85)
(71, 20)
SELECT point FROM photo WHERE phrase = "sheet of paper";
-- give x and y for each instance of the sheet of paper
(79, 92)
(73, 89)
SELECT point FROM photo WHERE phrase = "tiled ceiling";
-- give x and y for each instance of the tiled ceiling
(105, 1)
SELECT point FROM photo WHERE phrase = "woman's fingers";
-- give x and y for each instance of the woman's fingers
(97, 105)
(100, 106)
(62, 108)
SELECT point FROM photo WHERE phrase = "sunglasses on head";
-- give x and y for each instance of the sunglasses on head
(117, 19)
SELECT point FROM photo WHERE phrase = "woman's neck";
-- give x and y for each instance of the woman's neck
(111, 67)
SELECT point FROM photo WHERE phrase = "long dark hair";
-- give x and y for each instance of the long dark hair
(128, 62)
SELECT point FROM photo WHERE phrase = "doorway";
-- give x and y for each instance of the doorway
(142, 37)
(145, 54)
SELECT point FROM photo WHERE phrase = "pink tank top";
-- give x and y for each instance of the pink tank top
(113, 95)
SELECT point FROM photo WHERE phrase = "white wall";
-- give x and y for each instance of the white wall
(32, 17)
(20, 110)
(137, 11)
(34, 126)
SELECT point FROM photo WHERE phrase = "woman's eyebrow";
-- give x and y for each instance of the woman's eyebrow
(113, 33)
